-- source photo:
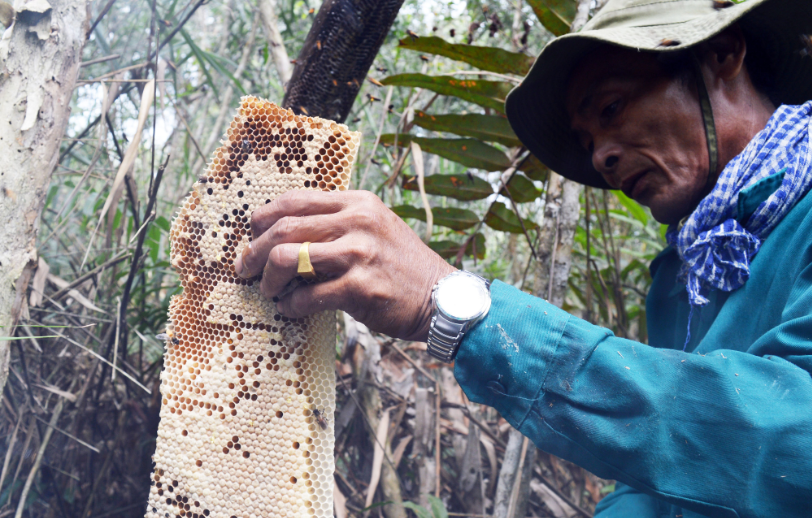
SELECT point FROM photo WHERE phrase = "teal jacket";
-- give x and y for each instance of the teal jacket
(722, 430)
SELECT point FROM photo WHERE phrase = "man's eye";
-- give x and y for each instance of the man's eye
(610, 110)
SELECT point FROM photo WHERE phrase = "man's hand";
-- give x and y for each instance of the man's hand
(378, 269)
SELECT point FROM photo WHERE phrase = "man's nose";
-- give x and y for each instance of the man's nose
(605, 159)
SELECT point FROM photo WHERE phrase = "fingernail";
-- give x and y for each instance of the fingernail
(238, 262)
(238, 265)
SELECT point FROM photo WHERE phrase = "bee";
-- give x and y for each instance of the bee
(167, 335)
(471, 30)
(391, 108)
(303, 110)
(372, 98)
(669, 43)
(245, 145)
(311, 10)
(357, 119)
(452, 33)
(424, 58)
(376, 162)
(434, 29)
(293, 61)
(382, 70)
(470, 176)
(318, 44)
(412, 35)
(320, 419)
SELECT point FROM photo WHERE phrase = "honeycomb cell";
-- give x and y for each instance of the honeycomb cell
(242, 441)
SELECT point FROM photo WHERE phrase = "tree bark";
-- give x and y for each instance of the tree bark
(39, 63)
(514, 454)
(267, 11)
(557, 232)
(336, 56)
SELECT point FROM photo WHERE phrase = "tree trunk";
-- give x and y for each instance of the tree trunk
(514, 455)
(337, 54)
(40, 56)
(557, 232)
(267, 11)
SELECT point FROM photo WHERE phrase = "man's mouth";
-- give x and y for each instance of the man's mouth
(632, 185)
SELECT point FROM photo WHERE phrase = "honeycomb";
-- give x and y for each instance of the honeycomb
(248, 395)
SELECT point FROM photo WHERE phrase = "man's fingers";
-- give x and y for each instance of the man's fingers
(312, 298)
(322, 228)
(283, 262)
(296, 203)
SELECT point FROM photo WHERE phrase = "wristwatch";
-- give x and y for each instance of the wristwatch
(460, 299)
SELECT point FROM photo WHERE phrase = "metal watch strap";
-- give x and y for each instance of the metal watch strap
(444, 338)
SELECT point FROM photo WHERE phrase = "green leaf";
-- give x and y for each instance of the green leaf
(490, 128)
(217, 62)
(455, 219)
(466, 151)
(450, 249)
(490, 94)
(521, 189)
(634, 208)
(376, 504)
(458, 186)
(200, 59)
(117, 219)
(421, 512)
(500, 217)
(555, 15)
(153, 241)
(492, 59)
(605, 490)
(163, 223)
(534, 169)
(437, 507)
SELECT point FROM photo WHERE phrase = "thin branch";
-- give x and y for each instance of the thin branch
(100, 60)
(98, 19)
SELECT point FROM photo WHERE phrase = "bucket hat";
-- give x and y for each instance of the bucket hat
(776, 29)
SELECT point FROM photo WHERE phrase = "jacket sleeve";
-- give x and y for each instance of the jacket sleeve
(626, 502)
(726, 434)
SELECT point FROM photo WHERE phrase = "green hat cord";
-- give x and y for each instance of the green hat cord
(707, 119)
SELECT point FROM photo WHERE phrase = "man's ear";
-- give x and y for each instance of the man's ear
(724, 53)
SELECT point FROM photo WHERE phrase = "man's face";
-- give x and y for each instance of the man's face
(643, 128)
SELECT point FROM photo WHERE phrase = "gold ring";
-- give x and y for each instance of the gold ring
(306, 269)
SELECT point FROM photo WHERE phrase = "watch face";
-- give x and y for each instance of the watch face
(462, 297)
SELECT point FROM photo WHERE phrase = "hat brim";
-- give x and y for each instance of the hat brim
(536, 108)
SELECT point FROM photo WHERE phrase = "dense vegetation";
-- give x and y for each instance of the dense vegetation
(106, 247)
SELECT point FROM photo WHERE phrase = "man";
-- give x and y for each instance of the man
(695, 109)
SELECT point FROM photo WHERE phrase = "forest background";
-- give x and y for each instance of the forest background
(79, 410)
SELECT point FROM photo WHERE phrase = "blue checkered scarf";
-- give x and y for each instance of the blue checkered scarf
(716, 249)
